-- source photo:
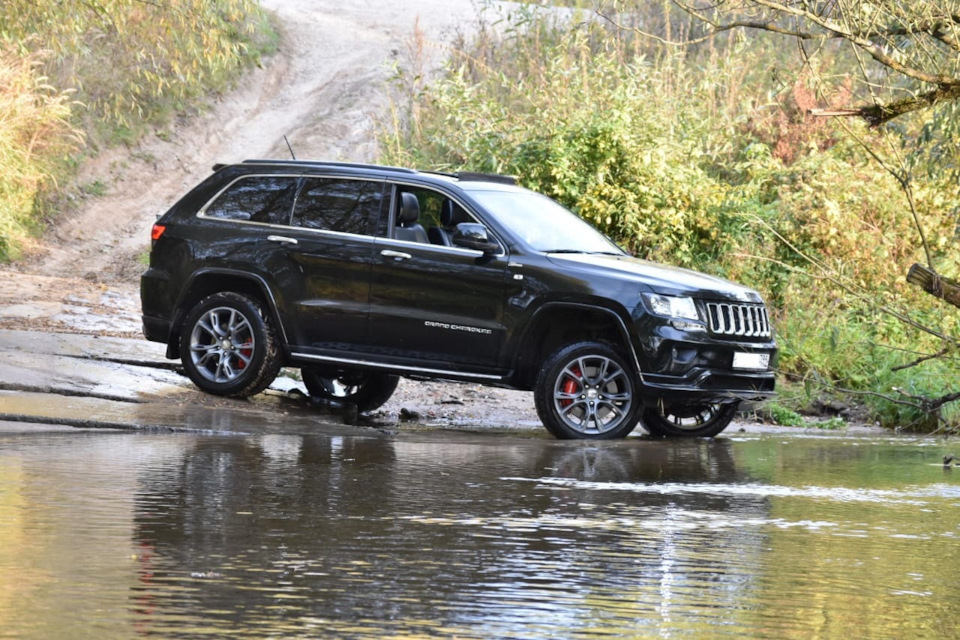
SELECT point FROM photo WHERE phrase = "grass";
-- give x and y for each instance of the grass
(35, 135)
(94, 188)
(79, 76)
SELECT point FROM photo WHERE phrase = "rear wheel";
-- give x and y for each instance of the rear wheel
(367, 390)
(702, 420)
(587, 391)
(228, 346)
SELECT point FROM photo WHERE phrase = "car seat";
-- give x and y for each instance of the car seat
(451, 214)
(407, 226)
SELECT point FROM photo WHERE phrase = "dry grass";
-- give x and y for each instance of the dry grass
(35, 134)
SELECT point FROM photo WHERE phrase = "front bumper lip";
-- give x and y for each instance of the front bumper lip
(704, 385)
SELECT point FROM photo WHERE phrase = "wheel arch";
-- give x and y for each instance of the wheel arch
(206, 282)
(557, 323)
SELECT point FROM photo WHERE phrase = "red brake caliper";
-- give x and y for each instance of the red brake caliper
(571, 385)
(246, 353)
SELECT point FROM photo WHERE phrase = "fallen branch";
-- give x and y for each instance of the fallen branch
(927, 404)
(935, 284)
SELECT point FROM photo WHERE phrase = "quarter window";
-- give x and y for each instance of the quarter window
(335, 204)
(266, 199)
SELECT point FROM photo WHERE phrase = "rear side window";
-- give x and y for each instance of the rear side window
(337, 204)
(266, 199)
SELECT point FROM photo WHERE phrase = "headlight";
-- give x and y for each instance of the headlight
(671, 306)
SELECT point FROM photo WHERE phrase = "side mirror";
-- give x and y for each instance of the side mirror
(471, 235)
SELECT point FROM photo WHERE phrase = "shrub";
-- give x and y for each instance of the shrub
(130, 60)
(108, 68)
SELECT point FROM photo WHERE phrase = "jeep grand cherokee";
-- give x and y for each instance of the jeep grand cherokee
(358, 274)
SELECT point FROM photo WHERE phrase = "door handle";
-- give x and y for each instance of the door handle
(397, 255)
(282, 239)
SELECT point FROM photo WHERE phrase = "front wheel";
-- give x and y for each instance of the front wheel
(368, 391)
(587, 391)
(703, 420)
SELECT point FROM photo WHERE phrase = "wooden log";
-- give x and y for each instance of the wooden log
(935, 284)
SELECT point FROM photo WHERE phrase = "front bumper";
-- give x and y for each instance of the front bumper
(682, 367)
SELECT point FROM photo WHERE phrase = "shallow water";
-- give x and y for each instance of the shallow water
(112, 535)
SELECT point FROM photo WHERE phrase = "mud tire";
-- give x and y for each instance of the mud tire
(696, 421)
(367, 390)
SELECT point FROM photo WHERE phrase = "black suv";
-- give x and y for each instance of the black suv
(358, 274)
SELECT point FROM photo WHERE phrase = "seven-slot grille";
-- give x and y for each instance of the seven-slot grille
(747, 320)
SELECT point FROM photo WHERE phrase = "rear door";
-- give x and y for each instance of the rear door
(320, 264)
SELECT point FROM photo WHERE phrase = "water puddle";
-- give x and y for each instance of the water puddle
(475, 536)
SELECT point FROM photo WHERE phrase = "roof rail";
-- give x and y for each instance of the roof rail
(470, 176)
(309, 163)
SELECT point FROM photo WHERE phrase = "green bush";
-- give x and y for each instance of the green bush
(131, 61)
(106, 68)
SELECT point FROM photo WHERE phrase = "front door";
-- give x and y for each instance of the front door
(432, 306)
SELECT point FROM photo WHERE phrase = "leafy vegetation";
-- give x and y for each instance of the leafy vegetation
(106, 68)
(697, 157)
(907, 54)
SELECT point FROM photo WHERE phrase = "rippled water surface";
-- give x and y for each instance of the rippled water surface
(114, 535)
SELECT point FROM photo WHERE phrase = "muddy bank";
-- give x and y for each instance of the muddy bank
(100, 381)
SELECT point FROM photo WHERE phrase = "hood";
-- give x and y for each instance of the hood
(659, 278)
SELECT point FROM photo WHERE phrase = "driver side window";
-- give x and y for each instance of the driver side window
(436, 214)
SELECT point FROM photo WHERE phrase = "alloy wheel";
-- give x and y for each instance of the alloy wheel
(222, 344)
(592, 394)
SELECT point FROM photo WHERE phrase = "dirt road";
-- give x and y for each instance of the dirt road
(322, 90)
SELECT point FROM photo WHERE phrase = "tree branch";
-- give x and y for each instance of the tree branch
(921, 360)
(873, 41)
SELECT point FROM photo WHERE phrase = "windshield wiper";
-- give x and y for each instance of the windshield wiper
(566, 251)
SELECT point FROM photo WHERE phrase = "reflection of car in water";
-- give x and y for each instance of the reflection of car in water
(392, 535)
(655, 460)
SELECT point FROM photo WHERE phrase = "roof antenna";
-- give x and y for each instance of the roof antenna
(289, 147)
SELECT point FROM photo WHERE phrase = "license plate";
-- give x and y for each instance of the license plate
(751, 360)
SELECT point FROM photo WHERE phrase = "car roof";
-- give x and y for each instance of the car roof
(465, 179)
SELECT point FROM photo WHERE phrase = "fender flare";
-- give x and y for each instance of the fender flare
(181, 310)
(550, 306)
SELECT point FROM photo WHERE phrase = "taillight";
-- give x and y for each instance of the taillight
(158, 230)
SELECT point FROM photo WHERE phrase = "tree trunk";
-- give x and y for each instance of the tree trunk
(935, 284)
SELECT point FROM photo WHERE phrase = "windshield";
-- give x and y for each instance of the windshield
(543, 223)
